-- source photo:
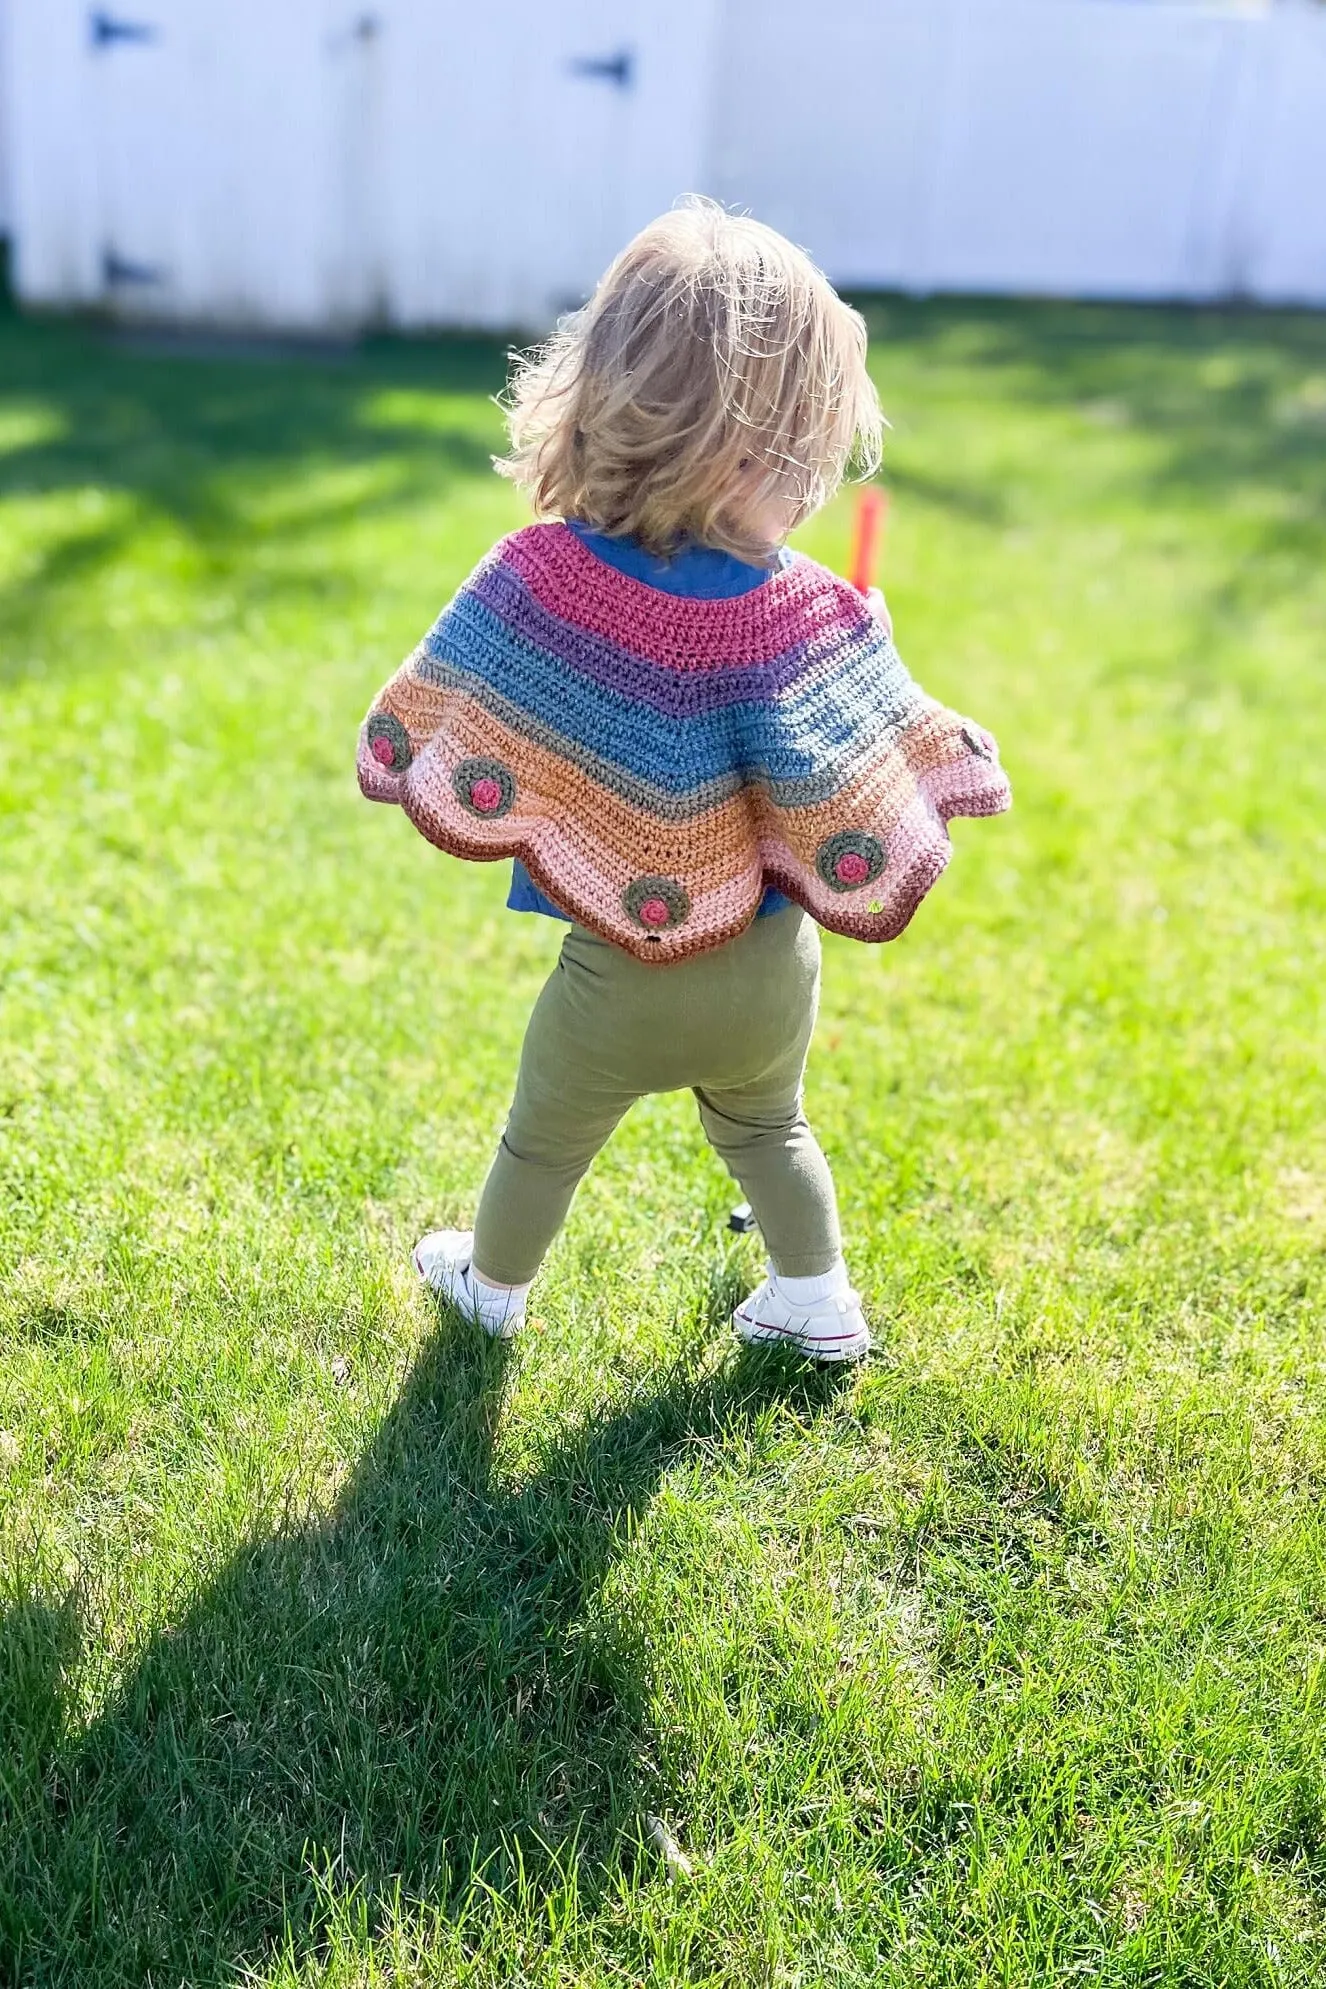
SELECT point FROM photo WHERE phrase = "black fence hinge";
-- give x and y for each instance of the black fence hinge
(106, 31)
(117, 272)
(618, 69)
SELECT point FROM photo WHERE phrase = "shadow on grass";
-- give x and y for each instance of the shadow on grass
(1227, 400)
(1230, 401)
(414, 1689)
(249, 462)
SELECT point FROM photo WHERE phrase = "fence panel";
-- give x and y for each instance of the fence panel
(1066, 147)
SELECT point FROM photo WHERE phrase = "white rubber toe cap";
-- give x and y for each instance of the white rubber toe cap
(832, 1330)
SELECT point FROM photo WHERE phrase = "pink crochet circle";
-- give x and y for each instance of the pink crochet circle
(486, 795)
(851, 868)
(383, 751)
(654, 911)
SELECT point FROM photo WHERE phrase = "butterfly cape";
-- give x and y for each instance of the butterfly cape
(658, 762)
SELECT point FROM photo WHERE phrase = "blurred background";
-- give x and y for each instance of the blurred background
(330, 165)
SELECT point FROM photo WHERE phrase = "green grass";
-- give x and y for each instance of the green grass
(338, 1648)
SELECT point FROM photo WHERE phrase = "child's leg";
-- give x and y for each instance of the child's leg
(565, 1108)
(760, 1131)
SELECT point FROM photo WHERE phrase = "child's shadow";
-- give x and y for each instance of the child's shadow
(404, 1691)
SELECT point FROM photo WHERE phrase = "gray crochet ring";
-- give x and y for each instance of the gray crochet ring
(850, 859)
(388, 741)
(656, 903)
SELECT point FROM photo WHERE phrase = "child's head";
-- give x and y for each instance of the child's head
(713, 389)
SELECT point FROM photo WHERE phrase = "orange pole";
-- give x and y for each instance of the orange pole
(871, 513)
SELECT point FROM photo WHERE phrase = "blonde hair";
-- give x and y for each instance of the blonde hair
(713, 368)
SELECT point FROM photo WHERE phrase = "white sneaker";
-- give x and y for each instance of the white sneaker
(832, 1329)
(442, 1259)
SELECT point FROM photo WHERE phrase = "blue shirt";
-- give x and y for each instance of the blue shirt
(697, 573)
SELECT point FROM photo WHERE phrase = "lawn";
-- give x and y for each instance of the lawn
(338, 1646)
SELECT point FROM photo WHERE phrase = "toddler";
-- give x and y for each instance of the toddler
(695, 746)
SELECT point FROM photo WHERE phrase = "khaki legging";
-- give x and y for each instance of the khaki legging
(733, 1025)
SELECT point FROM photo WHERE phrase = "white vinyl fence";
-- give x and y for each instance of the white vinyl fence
(6, 147)
(323, 163)
(319, 164)
(1108, 148)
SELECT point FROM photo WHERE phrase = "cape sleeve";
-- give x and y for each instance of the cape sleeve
(403, 717)
(861, 841)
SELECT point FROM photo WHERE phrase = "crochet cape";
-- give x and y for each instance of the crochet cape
(656, 762)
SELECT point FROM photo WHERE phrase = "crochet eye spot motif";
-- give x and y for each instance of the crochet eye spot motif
(388, 741)
(850, 859)
(484, 788)
(656, 903)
